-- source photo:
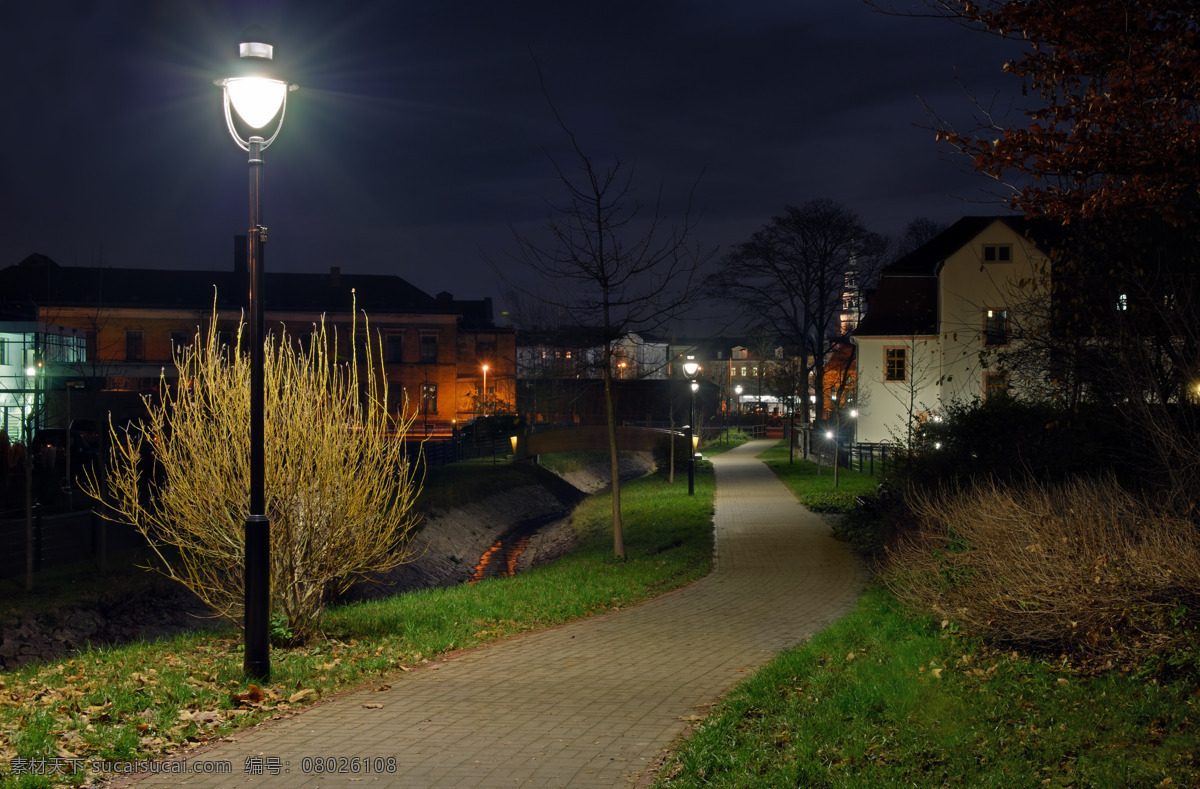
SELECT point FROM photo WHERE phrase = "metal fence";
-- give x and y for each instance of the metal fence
(59, 538)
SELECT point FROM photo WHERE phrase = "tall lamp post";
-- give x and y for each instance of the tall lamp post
(257, 96)
(690, 368)
(483, 392)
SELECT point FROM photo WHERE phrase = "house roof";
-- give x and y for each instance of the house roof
(40, 280)
(905, 301)
(903, 305)
(928, 258)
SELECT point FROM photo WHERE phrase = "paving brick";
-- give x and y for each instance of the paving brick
(592, 703)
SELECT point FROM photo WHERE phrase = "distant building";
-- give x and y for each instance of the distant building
(131, 320)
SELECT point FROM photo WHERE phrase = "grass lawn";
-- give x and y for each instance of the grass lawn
(814, 485)
(156, 699)
(883, 698)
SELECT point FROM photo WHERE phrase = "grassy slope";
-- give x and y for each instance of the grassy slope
(153, 699)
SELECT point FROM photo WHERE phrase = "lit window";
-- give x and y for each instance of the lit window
(1123, 302)
(895, 364)
(997, 253)
(995, 327)
(429, 398)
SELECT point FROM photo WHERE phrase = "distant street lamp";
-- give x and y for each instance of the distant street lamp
(257, 97)
(738, 391)
(690, 368)
(483, 392)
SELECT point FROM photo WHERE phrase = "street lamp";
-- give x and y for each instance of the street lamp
(483, 392)
(257, 97)
(690, 368)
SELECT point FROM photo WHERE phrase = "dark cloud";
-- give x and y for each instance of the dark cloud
(420, 130)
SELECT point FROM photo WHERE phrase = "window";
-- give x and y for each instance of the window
(429, 349)
(895, 364)
(995, 385)
(743, 371)
(995, 327)
(429, 398)
(997, 253)
(394, 348)
(134, 351)
(1123, 302)
(179, 341)
(3, 352)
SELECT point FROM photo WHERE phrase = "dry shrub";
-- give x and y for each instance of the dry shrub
(338, 485)
(1084, 568)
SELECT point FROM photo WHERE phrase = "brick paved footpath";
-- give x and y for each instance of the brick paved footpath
(593, 703)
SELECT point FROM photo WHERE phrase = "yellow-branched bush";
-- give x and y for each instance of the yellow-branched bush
(339, 488)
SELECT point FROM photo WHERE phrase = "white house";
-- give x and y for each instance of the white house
(939, 319)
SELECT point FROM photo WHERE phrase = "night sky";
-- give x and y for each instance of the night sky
(420, 132)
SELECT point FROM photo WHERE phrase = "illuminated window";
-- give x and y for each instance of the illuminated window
(895, 364)
(429, 398)
(1123, 302)
(995, 327)
(997, 253)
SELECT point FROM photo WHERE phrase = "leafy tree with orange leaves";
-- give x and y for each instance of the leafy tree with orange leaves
(1111, 125)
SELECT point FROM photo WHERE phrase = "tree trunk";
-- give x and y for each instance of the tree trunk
(614, 463)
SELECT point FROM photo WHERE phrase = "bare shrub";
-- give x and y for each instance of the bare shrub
(1084, 567)
(338, 485)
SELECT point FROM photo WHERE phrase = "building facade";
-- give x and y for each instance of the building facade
(133, 320)
(941, 321)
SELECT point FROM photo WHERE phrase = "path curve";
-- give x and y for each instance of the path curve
(593, 703)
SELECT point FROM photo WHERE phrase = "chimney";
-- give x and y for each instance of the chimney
(240, 254)
(335, 276)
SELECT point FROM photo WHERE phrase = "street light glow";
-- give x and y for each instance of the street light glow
(256, 99)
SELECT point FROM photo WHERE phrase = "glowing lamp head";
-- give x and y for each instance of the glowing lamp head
(255, 92)
(256, 100)
(690, 367)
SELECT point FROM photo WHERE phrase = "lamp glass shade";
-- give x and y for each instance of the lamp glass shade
(690, 369)
(256, 99)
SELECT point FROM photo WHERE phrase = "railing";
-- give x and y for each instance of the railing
(59, 539)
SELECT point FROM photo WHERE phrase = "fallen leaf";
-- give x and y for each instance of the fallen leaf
(373, 706)
(292, 699)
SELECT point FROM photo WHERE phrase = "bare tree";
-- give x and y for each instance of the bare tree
(610, 260)
(792, 275)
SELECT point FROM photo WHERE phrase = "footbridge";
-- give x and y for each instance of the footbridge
(636, 439)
